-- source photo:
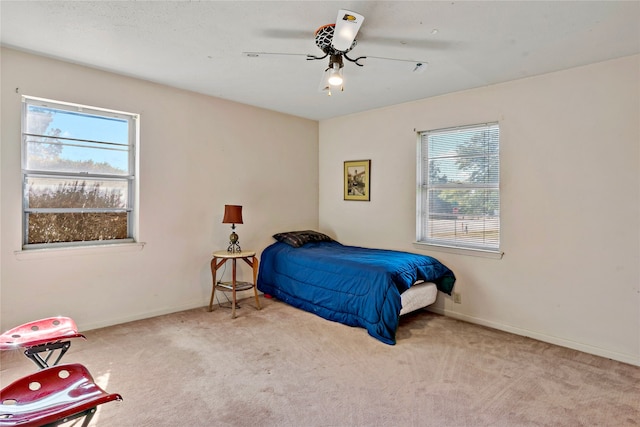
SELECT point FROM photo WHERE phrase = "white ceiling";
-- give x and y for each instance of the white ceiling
(198, 45)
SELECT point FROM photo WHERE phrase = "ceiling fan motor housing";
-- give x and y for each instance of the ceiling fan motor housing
(324, 37)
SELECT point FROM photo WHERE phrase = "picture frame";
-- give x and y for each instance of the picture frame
(357, 180)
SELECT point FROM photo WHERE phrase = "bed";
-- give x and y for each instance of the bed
(356, 286)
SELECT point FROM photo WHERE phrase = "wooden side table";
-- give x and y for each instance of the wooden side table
(221, 257)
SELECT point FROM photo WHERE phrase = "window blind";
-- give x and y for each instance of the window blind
(459, 188)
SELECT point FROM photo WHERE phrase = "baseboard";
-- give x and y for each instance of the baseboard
(620, 357)
(139, 316)
(145, 315)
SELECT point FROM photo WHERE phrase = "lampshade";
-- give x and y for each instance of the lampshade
(232, 214)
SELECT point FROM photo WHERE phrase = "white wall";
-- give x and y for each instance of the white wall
(570, 185)
(197, 153)
(570, 199)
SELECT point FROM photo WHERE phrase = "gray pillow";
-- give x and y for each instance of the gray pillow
(299, 238)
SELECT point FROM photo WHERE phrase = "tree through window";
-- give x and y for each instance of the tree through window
(78, 166)
(459, 187)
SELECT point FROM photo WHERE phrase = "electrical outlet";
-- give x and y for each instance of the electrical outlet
(457, 297)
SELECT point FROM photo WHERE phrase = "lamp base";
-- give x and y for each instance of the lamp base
(234, 247)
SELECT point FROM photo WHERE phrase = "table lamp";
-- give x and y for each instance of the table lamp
(233, 216)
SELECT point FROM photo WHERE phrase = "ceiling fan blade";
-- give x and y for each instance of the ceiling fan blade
(281, 33)
(258, 54)
(324, 83)
(367, 40)
(415, 61)
(416, 65)
(347, 25)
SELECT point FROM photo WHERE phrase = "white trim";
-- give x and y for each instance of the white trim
(424, 186)
(131, 179)
(141, 316)
(77, 250)
(586, 348)
(44, 102)
(482, 253)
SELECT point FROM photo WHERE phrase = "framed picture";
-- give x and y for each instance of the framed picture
(357, 177)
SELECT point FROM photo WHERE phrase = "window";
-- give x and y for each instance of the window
(78, 174)
(459, 187)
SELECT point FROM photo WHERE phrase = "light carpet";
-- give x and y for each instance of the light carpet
(284, 367)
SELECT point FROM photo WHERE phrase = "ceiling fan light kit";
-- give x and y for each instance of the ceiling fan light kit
(326, 86)
(335, 70)
(335, 76)
(336, 40)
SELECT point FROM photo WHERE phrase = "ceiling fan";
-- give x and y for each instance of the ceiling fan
(336, 41)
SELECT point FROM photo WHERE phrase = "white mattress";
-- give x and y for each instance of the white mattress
(418, 296)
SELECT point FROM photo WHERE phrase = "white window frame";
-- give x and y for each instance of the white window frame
(423, 210)
(131, 178)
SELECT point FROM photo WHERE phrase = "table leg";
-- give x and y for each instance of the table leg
(214, 270)
(233, 292)
(255, 281)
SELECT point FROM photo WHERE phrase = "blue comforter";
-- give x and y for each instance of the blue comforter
(348, 284)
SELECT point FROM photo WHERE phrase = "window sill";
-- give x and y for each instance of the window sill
(78, 250)
(461, 251)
